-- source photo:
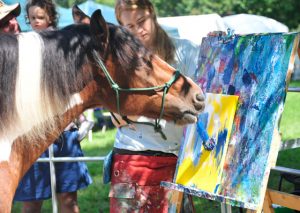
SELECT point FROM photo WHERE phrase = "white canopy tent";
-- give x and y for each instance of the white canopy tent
(195, 27)
(247, 24)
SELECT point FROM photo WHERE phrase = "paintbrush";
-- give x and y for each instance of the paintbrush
(208, 143)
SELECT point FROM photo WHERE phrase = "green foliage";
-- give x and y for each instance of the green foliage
(290, 117)
(70, 3)
(192, 7)
(286, 11)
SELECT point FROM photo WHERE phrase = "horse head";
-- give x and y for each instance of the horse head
(49, 78)
(132, 66)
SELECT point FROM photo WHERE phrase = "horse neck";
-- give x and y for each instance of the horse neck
(30, 152)
(24, 153)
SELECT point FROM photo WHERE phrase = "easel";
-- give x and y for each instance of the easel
(271, 196)
(279, 198)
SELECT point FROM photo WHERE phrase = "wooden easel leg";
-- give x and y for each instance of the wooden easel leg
(175, 201)
(267, 206)
(251, 211)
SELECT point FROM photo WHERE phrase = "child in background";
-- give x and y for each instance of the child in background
(41, 15)
(70, 176)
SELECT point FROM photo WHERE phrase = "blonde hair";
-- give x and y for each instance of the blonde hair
(162, 43)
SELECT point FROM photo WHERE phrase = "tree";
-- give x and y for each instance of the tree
(70, 3)
(286, 11)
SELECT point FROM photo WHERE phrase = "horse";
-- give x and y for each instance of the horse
(48, 78)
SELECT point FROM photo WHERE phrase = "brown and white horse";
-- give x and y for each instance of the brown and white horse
(47, 79)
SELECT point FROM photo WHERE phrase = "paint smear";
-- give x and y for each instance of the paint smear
(199, 167)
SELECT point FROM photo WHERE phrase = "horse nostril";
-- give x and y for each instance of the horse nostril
(199, 106)
(199, 102)
(199, 97)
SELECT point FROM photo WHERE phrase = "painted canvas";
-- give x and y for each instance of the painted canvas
(256, 68)
(199, 166)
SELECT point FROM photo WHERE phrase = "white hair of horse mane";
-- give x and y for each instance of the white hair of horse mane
(36, 111)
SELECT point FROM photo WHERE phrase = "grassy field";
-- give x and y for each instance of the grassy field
(94, 199)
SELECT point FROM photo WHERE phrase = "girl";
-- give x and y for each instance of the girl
(142, 158)
(41, 14)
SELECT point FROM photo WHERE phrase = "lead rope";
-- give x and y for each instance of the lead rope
(116, 88)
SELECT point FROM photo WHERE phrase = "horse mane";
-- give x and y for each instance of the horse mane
(47, 69)
(132, 56)
(8, 61)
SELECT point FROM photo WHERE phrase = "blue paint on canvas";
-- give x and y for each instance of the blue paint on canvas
(254, 67)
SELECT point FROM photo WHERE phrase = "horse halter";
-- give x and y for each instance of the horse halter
(165, 87)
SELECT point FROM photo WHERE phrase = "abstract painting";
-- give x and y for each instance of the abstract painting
(256, 68)
(198, 166)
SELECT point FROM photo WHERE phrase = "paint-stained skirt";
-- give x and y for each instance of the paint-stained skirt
(135, 183)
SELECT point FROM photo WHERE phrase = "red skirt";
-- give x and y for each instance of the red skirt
(135, 183)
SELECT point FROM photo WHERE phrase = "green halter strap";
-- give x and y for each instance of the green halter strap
(117, 90)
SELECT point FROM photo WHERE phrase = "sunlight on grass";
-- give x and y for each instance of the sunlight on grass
(290, 122)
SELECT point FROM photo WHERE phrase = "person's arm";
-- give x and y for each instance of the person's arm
(84, 126)
(216, 33)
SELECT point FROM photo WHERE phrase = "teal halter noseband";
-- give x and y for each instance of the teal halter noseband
(118, 89)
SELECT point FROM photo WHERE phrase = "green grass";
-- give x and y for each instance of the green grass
(289, 129)
(290, 122)
(94, 199)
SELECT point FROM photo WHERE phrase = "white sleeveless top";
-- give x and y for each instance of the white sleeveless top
(144, 137)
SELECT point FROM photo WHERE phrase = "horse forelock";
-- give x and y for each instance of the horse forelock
(127, 51)
(42, 83)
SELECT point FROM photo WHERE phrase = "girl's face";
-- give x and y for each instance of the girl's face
(38, 18)
(140, 23)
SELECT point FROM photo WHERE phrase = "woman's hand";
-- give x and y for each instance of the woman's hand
(217, 33)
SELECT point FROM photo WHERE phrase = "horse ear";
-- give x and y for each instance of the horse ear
(99, 29)
(79, 17)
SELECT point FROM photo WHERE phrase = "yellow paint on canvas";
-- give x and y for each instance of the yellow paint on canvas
(206, 174)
